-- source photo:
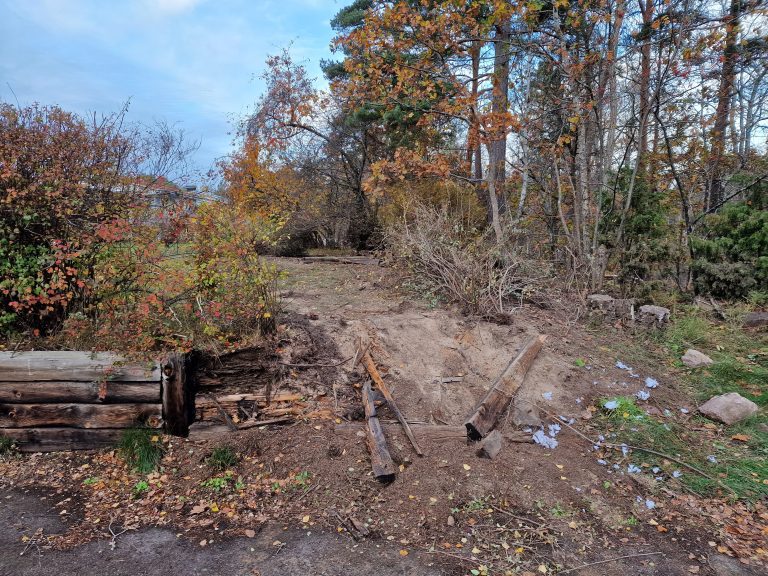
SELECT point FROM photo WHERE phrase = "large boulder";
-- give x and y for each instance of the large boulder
(728, 408)
(695, 359)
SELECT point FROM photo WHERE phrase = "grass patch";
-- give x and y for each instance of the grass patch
(221, 458)
(7, 447)
(735, 456)
(141, 449)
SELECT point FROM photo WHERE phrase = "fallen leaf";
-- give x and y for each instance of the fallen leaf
(403, 552)
(741, 437)
(305, 519)
(467, 467)
(250, 533)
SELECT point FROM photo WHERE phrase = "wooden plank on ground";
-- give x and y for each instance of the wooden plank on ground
(497, 400)
(74, 366)
(382, 387)
(381, 462)
(56, 439)
(80, 415)
(106, 392)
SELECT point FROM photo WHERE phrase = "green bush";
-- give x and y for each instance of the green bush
(731, 254)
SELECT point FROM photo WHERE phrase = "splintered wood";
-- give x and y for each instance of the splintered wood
(498, 398)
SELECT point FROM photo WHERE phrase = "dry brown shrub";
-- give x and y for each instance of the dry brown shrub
(463, 266)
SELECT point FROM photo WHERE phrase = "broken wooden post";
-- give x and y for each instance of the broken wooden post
(376, 377)
(496, 401)
(179, 393)
(381, 462)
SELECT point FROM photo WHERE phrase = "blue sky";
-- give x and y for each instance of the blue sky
(193, 63)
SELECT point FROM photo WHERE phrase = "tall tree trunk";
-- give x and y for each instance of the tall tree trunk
(497, 148)
(646, 11)
(715, 186)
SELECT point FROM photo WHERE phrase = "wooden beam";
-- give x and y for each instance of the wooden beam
(80, 415)
(381, 462)
(376, 377)
(56, 439)
(497, 400)
(74, 366)
(79, 392)
(178, 393)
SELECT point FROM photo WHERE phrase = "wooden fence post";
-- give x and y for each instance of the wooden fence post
(178, 392)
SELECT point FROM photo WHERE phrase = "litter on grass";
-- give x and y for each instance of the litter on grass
(632, 469)
(611, 405)
(651, 382)
(642, 395)
(676, 474)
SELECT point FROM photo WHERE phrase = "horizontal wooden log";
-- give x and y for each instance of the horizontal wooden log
(363, 260)
(74, 366)
(79, 392)
(80, 415)
(58, 439)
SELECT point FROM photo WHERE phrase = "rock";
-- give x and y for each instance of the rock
(728, 408)
(725, 566)
(650, 315)
(618, 307)
(756, 320)
(490, 445)
(695, 359)
(600, 301)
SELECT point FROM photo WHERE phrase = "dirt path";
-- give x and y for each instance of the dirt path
(533, 510)
(160, 552)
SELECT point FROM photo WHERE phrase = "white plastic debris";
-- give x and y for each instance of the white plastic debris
(611, 405)
(547, 395)
(655, 469)
(712, 459)
(676, 474)
(642, 395)
(621, 366)
(650, 504)
(602, 462)
(624, 449)
(542, 439)
(651, 382)
(684, 410)
(632, 469)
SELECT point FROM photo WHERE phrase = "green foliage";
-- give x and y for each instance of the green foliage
(731, 253)
(221, 458)
(238, 288)
(139, 488)
(218, 483)
(141, 449)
